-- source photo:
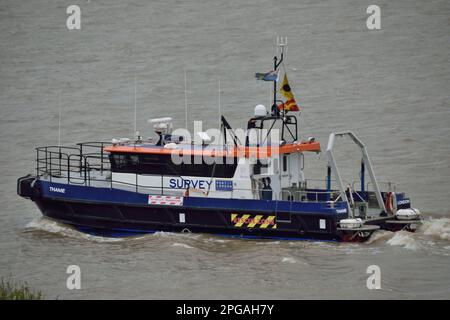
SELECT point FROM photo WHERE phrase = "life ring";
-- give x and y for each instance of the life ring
(391, 202)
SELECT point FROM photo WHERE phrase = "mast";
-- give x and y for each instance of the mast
(185, 100)
(59, 121)
(135, 135)
(220, 105)
(275, 66)
(282, 44)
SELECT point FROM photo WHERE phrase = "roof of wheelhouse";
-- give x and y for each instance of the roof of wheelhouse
(217, 151)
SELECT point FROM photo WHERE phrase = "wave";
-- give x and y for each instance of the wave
(57, 228)
(404, 239)
(434, 233)
(380, 236)
(431, 230)
(288, 259)
(437, 228)
(182, 245)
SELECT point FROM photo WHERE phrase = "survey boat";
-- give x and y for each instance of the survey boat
(252, 185)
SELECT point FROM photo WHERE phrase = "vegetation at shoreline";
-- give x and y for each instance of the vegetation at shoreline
(14, 291)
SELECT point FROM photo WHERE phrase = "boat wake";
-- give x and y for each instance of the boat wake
(434, 233)
(52, 227)
(404, 239)
(182, 245)
(380, 237)
(288, 260)
(43, 224)
(437, 228)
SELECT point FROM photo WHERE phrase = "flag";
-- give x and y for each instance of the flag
(269, 76)
(286, 88)
(289, 105)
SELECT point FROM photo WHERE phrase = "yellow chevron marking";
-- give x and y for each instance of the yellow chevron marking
(242, 220)
(249, 221)
(254, 221)
(268, 221)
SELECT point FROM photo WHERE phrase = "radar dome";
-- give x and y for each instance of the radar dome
(260, 111)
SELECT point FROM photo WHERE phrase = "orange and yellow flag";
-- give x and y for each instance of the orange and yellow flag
(285, 89)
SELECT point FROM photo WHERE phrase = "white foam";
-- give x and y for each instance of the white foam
(438, 228)
(288, 259)
(217, 240)
(54, 227)
(182, 245)
(404, 239)
(380, 235)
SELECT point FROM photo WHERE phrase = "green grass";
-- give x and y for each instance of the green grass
(15, 291)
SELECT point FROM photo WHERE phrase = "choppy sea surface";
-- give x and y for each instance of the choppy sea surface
(391, 87)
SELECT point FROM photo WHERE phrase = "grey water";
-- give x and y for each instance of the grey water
(390, 86)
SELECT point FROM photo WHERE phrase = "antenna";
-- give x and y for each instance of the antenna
(135, 107)
(59, 119)
(281, 44)
(220, 107)
(275, 47)
(220, 114)
(185, 98)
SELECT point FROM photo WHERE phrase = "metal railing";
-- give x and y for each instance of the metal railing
(357, 194)
(322, 183)
(98, 153)
(84, 165)
(311, 195)
(52, 160)
(72, 163)
(88, 164)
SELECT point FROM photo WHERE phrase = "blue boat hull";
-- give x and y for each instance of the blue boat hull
(114, 211)
(113, 220)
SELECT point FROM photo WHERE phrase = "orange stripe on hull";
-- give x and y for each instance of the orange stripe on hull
(260, 152)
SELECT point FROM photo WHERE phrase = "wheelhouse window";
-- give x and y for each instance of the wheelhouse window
(119, 160)
(162, 164)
